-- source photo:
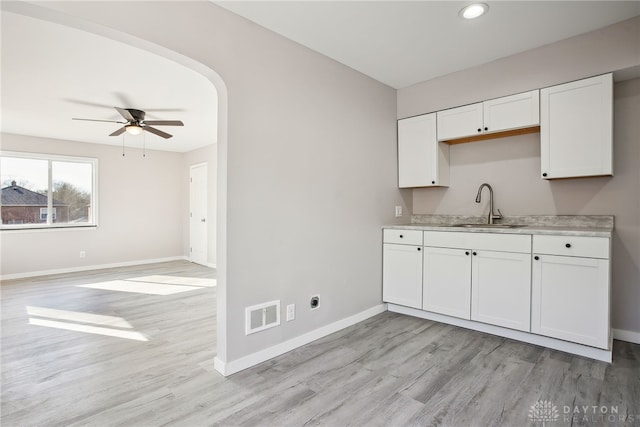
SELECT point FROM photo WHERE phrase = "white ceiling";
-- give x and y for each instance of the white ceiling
(401, 43)
(52, 73)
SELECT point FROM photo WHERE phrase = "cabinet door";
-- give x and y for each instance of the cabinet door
(512, 112)
(501, 289)
(460, 122)
(576, 128)
(570, 299)
(447, 282)
(422, 161)
(402, 275)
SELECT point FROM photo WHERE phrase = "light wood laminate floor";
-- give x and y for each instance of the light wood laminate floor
(66, 360)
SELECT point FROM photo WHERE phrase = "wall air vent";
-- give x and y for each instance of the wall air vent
(262, 316)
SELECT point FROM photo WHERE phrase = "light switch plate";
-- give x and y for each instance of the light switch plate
(291, 312)
(398, 211)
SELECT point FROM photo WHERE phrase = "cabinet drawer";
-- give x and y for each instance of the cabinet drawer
(402, 237)
(480, 241)
(590, 247)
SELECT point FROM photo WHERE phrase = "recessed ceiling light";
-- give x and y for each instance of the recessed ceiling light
(473, 10)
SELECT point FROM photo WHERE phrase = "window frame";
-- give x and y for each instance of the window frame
(50, 158)
(46, 212)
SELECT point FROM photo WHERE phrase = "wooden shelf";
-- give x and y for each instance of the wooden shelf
(485, 136)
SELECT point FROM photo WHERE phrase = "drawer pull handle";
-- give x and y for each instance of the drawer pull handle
(401, 236)
(568, 245)
(536, 258)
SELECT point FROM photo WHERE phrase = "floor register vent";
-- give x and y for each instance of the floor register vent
(262, 316)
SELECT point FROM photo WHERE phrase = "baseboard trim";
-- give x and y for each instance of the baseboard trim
(569, 347)
(628, 336)
(89, 267)
(229, 368)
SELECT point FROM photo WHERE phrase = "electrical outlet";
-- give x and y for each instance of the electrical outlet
(83, 254)
(291, 312)
(398, 211)
(315, 302)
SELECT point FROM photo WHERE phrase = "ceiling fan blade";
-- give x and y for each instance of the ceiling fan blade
(96, 120)
(119, 131)
(157, 132)
(126, 114)
(163, 122)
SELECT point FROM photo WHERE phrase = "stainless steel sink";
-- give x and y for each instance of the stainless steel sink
(489, 225)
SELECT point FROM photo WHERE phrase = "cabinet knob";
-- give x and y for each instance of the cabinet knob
(486, 128)
(401, 236)
(544, 174)
(479, 130)
(433, 182)
(536, 258)
(475, 253)
(568, 245)
(466, 253)
(419, 249)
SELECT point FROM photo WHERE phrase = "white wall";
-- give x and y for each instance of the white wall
(512, 165)
(140, 212)
(311, 165)
(206, 155)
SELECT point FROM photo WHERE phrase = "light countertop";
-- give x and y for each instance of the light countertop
(560, 225)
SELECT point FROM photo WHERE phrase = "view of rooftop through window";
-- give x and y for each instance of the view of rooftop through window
(46, 190)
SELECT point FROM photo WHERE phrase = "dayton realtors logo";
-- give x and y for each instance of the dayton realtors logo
(545, 411)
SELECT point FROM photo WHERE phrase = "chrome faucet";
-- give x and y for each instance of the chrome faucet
(491, 216)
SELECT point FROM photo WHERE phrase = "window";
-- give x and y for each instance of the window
(43, 214)
(34, 185)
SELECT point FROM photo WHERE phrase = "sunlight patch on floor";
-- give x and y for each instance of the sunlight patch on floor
(130, 335)
(135, 286)
(79, 321)
(177, 280)
(77, 316)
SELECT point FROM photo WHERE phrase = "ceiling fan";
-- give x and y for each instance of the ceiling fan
(135, 123)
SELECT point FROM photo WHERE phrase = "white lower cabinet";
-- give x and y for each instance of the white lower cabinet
(570, 294)
(447, 282)
(501, 289)
(543, 287)
(475, 276)
(402, 275)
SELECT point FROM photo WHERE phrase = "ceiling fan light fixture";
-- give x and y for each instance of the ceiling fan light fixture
(473, 11)
(133, 129)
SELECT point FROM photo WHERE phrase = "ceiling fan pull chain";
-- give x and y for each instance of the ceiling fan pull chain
(144, 144)
(123, 145)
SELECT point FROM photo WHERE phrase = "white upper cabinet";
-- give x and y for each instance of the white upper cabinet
(460, 122)
(512, 112)
(422, 160)
(496, 115)
(576, 131)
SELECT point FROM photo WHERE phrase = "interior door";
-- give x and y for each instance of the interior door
(198, 226)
